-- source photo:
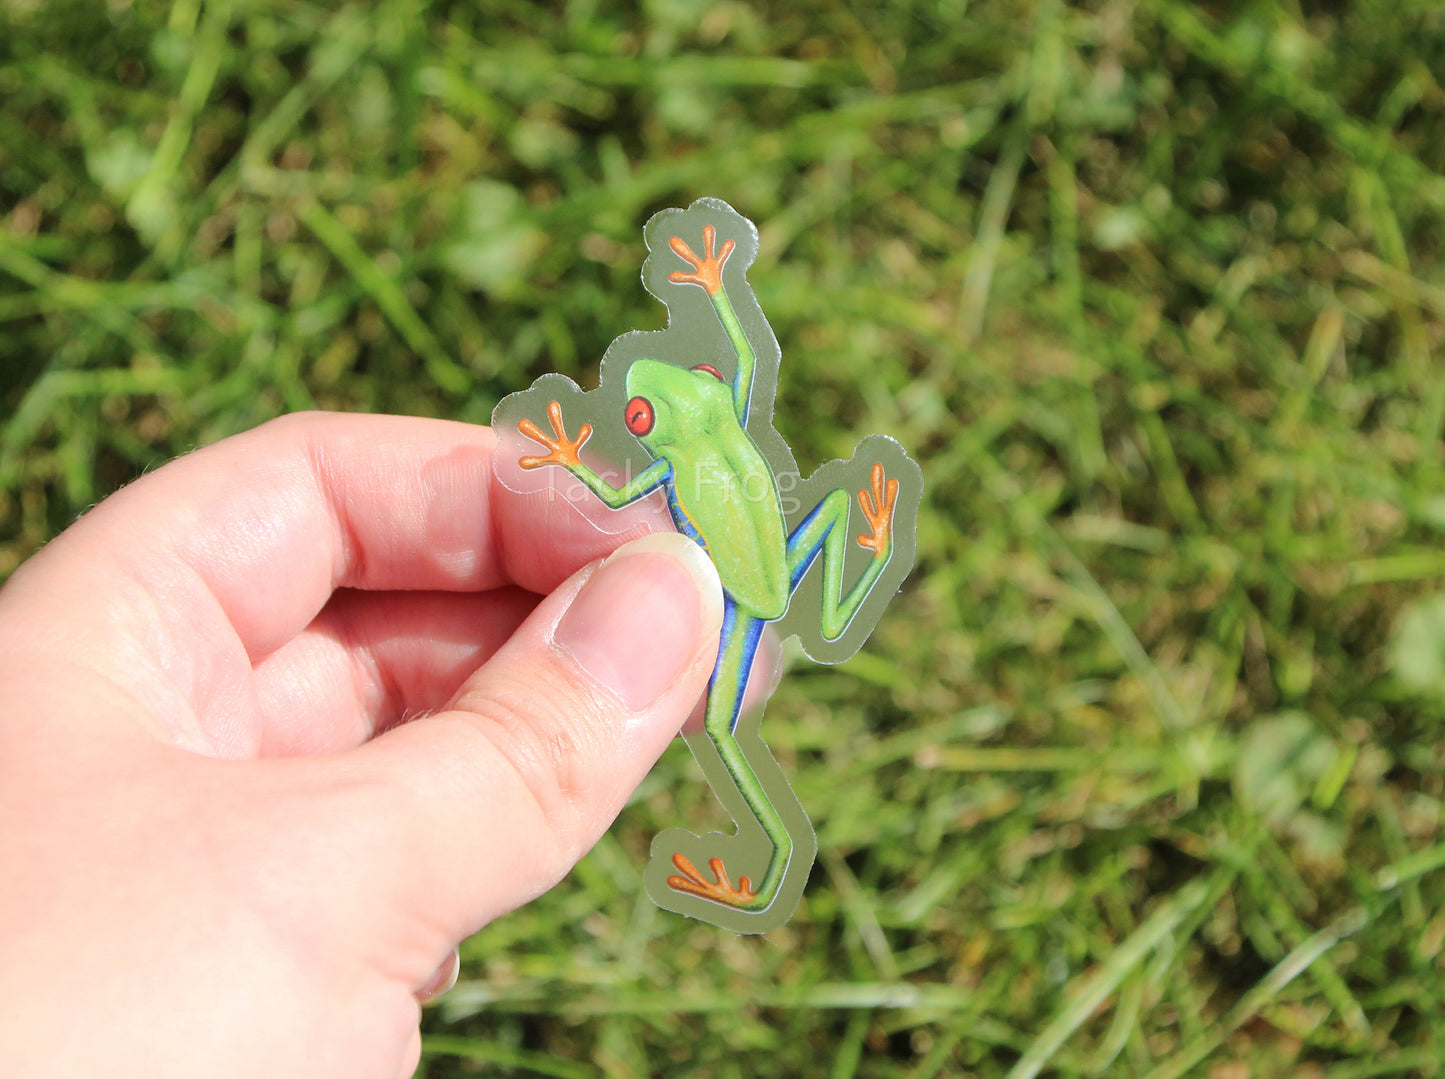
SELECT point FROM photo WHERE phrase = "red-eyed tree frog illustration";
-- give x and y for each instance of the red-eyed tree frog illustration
(692, 404)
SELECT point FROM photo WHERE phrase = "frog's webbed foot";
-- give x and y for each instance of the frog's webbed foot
(561, 450)
(719, 890)
(877, 505)
(708, 269)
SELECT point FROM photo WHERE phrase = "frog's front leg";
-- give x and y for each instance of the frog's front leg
(566, 452)
(707, 271)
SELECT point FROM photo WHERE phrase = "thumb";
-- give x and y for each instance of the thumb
(490, 803)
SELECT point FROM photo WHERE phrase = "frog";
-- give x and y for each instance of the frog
(695, 423)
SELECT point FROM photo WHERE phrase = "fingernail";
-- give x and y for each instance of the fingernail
(635, 624)
(443, 980)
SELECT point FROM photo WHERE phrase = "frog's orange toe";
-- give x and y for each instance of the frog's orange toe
(561, 450)
(877, 505)
(707, 270)
(719, 890)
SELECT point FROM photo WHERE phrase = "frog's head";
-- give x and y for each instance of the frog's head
(668, 405)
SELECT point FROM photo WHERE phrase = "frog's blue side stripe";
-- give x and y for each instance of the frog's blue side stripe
(802, 565)
(753, 628)
(680, 516)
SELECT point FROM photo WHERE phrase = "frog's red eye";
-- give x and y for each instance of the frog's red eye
(710, 369)
(639, 416)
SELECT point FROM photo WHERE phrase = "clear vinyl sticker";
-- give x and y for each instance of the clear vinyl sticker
(683, 418)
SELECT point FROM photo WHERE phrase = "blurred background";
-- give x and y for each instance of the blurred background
(1141, 774)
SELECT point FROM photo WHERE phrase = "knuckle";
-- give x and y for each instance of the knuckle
(540, 734)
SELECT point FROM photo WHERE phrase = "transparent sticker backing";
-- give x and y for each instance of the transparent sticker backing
(682, 421)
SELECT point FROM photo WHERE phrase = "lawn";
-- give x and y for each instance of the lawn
(1141, 774)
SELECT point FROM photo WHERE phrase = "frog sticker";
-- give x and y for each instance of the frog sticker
(684, 417)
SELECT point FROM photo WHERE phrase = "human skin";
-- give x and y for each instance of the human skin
(225, 853)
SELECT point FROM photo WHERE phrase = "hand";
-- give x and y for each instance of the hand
(225, 852)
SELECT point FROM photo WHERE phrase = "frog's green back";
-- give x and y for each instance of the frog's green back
(732, 503)
(722, 488)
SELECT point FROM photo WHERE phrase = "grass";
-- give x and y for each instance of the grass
(1141, 775)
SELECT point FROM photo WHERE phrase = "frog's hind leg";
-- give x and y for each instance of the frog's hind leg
(825, 531)
(773, 848)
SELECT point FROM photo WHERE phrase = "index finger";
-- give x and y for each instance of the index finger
(267, 524)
